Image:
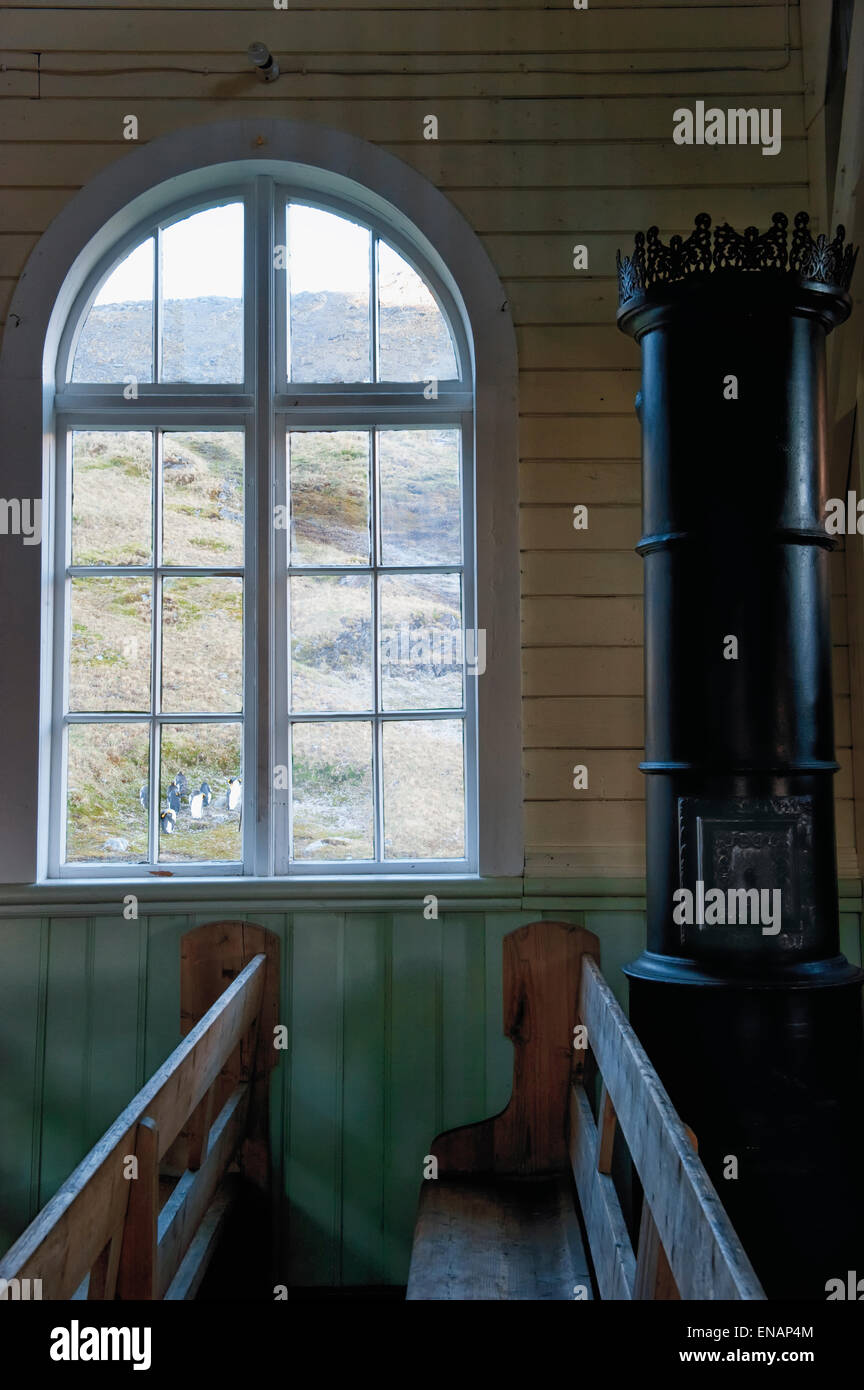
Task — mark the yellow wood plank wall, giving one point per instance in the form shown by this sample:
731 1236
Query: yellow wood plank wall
555 129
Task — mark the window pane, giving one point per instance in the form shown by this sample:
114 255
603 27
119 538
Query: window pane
202 489
332 791
424 789
202 645
328 475
108 767
421 510
112 508
331 643
201 800
109 666
328 274
202 297
421 641
414 342
116 341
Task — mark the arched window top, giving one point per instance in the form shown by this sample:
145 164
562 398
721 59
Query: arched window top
172 304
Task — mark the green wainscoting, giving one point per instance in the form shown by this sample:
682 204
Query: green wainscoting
394 1027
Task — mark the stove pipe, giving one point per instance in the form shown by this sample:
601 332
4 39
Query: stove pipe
742 999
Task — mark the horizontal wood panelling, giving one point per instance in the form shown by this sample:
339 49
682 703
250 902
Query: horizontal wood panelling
549 823
537 253
385 6
29 210
615 572
562 298
610 209
614 164
627 860
844 817
601 861
608 621
593 33
14 251
732 78
609 528
613 774
570 348
585 670
840 670
582 670
618 482
582 124
600 622
614 721
449 166
595 572
586 392
579 436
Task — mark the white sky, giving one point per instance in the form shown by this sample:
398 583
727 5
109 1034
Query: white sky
203 255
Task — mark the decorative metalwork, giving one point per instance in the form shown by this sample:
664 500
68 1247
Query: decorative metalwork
631 270
701 253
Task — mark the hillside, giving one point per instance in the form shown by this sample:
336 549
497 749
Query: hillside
202 341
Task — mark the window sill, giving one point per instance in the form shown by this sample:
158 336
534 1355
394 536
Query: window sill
215 895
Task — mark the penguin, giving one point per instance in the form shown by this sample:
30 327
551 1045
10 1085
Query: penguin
206 793
181 784
172 796
168 820
144 796
235 792
196 805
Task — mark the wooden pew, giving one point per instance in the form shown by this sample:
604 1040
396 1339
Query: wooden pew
107 1234
501 1220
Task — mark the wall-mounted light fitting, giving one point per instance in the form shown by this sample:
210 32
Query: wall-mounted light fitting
260 55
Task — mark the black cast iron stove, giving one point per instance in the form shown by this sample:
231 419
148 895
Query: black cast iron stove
754 1026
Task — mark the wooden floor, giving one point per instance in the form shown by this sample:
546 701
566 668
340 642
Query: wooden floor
516 1239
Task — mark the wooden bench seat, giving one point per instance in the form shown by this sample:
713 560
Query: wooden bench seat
511 1238
501 1219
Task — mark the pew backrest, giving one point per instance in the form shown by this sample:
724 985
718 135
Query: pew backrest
105 1221
687 1246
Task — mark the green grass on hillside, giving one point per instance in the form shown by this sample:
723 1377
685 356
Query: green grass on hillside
202 641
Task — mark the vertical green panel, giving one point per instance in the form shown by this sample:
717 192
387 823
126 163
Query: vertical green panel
499 1049
65 1096
463 1059
414 1102
315 1161
363 1100
275 922
117 965
280 1116
163 988
23 960
850 936
622 938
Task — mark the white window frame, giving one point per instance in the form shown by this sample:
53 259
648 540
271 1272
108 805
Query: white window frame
264 406
324 168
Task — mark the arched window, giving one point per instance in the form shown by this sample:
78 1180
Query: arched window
260 359
269 405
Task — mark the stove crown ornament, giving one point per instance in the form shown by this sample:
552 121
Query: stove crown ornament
703 253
